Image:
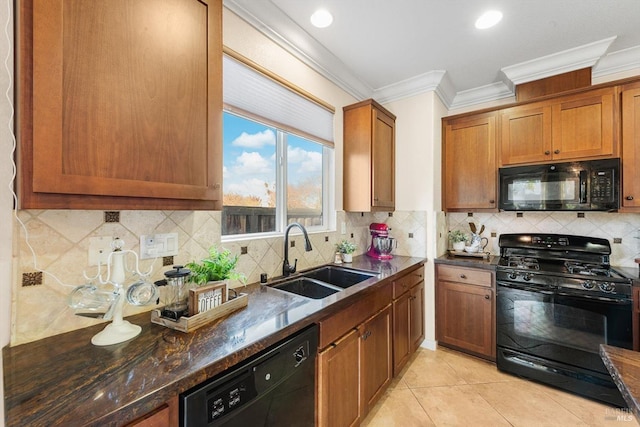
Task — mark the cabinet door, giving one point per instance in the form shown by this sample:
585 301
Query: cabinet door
464 317
383 159
376 357
630 148
339 382
401 325
416 327
102 126
470 173
583 126
526 134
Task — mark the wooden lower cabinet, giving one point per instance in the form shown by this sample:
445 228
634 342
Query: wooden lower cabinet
354 371
401 330
416 316
376 357
465 309
339 382
408 317
164 416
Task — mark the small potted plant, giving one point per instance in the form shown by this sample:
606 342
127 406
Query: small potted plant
458 240
219 265
346 248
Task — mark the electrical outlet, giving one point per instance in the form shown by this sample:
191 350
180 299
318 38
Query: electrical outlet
158 245
99 249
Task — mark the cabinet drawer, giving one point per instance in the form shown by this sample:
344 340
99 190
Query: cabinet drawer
408 281
470 276
335 326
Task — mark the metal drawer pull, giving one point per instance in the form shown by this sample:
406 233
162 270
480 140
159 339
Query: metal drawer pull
462 276
487 297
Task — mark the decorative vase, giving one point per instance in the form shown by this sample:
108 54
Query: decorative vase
347 258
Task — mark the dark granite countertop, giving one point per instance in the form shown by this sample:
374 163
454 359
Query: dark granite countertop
624 367
65 380
468 261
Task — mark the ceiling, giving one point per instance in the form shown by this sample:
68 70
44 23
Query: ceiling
392 50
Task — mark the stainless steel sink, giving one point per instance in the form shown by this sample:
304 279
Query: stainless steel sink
307 288
339 276
323 281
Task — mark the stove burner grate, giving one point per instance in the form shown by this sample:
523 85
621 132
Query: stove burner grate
587 269
523 262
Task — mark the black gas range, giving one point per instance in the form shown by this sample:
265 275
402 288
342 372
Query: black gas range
558 299
574 265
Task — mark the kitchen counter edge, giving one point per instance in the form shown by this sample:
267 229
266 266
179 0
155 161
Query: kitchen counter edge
624 367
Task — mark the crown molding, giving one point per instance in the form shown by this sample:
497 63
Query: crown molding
557 63
278 27
479 95
617 62
426 82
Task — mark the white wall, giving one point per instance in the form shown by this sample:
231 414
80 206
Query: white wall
6 171
418 179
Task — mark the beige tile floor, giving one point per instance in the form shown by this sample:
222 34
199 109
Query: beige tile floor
448 388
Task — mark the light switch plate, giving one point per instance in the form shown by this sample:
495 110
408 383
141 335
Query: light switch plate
158 245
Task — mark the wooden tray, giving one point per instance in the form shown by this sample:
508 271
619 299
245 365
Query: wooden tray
470 254
189 324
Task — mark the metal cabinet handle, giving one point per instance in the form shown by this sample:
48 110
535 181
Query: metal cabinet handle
492 201
556 152
462 276
366 335
487 297
629 197
547 152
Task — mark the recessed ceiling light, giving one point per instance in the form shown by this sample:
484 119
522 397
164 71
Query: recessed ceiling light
321 18
488 19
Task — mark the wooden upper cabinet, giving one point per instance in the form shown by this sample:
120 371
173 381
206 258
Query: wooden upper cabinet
120 104
469 163
573 127
369 158
630 147
582 125
526 134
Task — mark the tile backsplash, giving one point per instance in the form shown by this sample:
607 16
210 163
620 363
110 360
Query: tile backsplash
605 225
60 241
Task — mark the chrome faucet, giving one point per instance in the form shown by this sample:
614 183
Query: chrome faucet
288 269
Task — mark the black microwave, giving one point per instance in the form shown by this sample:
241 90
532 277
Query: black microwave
574 186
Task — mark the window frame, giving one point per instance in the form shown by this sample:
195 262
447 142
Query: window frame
281 166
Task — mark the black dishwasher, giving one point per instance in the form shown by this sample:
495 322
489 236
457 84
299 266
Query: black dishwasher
274 388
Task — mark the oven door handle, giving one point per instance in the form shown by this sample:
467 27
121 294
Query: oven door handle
524 288
620 301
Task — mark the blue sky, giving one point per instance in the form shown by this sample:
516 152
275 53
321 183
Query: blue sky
249 157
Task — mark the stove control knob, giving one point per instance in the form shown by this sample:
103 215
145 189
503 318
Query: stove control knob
526 276
588 284
606 287
513 275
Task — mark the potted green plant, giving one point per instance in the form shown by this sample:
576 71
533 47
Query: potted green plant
219 265
458 240
346 248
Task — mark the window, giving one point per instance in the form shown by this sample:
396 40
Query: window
254 201
277 153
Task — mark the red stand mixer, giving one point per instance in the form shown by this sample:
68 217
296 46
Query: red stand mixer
381 244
